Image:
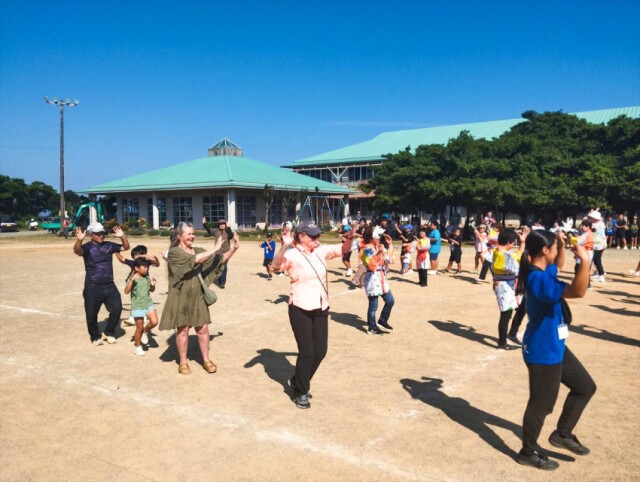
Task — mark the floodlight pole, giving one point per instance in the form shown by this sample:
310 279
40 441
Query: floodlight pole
61 104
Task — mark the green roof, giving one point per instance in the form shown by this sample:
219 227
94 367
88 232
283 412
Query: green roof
218 172
396 141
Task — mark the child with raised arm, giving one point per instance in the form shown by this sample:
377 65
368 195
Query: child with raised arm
269 248
140 286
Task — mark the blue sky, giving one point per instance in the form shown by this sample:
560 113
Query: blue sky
160 81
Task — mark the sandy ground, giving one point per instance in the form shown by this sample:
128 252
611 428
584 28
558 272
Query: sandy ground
433 400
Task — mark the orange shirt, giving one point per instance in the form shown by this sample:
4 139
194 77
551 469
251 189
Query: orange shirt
308 273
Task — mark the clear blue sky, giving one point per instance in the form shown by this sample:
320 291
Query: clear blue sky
160 81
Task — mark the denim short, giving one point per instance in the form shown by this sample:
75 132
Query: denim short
142 313
433 256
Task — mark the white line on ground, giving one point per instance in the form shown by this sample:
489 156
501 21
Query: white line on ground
201 415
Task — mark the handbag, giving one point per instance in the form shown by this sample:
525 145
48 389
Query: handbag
210 296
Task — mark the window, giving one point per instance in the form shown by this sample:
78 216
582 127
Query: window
214 208
275 213
162 210
246 211
182 210
131 210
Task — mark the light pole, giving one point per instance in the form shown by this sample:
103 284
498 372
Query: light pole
62 103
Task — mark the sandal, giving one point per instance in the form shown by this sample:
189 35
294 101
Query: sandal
210 366
184 369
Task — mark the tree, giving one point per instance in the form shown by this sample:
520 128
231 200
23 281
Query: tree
13 195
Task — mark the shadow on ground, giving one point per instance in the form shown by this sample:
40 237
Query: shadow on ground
460 411
464 331
276 365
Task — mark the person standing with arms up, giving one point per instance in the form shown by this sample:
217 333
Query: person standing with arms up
99 288
306 265
548 360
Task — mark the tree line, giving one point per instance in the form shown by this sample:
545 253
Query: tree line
19 199
550 163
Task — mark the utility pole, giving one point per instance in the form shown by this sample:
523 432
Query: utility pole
61 104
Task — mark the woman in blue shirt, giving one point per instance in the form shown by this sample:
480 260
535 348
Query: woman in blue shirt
548 360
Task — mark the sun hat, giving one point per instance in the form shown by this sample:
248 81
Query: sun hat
95 228
595 215
309 228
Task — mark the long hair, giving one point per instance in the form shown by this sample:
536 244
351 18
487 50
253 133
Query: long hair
175 237
536 240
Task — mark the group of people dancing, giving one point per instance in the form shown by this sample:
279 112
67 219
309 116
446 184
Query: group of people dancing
524 265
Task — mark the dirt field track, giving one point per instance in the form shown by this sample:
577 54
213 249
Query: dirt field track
433 400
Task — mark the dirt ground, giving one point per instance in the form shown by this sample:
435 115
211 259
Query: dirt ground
433 400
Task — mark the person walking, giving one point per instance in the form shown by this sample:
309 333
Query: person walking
549 361
306 265
190 270
99 287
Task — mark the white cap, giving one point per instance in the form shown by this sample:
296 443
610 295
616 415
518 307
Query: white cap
96 228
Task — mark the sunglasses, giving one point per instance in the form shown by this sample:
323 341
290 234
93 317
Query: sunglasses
316 237
101 233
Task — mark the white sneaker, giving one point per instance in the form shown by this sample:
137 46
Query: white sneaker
599 279
97 342
617 247
139 351
432 271
625 248
129 321
109 339
349 272
144 339
408 272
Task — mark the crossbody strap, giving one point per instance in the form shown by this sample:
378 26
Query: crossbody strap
324 284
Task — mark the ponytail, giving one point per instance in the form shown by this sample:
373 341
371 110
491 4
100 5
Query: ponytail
536 240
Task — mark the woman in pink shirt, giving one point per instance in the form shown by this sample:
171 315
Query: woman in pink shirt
309 299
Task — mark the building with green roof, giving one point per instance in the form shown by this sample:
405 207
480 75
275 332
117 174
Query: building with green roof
223 185
353 164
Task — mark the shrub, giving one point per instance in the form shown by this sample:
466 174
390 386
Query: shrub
153 232
135 232
166 232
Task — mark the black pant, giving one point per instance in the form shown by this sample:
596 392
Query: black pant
95 295
486 265
597 260
517 318
311 331
503 326
422 277
544 384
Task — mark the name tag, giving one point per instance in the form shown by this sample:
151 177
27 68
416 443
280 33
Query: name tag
563 331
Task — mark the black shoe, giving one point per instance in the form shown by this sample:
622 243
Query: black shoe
375 331
537 460
302 401
514 339
309 396
506 347
221 287
386 325
570 443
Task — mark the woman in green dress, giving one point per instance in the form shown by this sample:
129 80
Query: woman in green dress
185 306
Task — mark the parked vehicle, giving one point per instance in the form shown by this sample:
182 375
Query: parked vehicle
32 225
7 223
81 218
